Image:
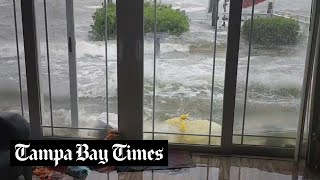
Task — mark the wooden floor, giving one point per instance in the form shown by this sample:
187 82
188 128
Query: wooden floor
222 168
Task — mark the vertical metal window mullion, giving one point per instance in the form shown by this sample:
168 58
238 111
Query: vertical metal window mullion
18 55
48 63
32 51
72 64
232 56
213 67
106 54
247 73
306 86
314 108
130 68
154 66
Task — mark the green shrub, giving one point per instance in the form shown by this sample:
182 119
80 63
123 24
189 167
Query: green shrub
272 31
98 27
172 21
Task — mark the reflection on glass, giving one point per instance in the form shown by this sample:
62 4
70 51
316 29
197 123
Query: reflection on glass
187 174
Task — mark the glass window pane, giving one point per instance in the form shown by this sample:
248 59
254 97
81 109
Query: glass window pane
11 52
184 53
91 67
91 59
279 35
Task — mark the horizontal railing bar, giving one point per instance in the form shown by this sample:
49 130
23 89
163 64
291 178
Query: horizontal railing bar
279 137
290 13
188 134
249 135
56 137
235 146
188 145
181 134
195 145
80 128
239 151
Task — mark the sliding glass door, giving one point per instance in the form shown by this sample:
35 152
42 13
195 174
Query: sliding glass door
196 73
272 56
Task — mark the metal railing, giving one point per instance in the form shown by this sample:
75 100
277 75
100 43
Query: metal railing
247 74
18 55
298 17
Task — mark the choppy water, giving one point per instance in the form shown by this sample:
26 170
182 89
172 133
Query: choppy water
184 73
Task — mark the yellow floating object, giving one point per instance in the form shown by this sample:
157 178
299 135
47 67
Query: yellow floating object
173 121
194 127
184 126
184 116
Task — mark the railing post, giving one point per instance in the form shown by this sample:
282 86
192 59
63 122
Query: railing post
72 64
18 57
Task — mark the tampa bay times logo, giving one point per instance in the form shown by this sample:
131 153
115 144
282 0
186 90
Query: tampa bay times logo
65 153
